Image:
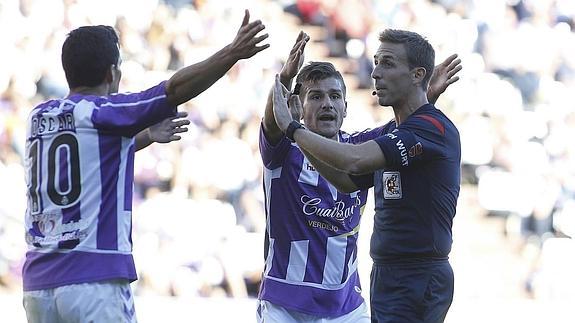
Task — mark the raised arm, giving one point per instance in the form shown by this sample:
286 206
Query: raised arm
192 80
337 178
351 159
348 158
287 74
443 76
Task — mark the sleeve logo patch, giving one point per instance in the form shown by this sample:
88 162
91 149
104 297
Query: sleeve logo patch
416 150
392 185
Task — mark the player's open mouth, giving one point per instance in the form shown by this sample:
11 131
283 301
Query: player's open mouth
326 117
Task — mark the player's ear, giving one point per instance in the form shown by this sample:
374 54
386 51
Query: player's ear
345 110
418 74
109 75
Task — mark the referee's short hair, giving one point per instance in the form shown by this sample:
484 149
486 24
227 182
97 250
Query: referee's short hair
419 51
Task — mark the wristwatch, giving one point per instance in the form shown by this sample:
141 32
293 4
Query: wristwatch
292 127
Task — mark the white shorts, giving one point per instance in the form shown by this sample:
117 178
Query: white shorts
107 301
270 313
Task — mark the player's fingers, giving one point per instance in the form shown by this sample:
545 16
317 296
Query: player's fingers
180 114
253 28
300 36
180 123
258 49
246 18
175 138
301 46
297 41
452 80
259 38
280 90
250 35
304 41
454 71
179 129
295 48
277 87
449 59
454 63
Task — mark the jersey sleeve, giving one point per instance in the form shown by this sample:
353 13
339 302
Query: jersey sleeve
362 182
129 113
420 139
273 155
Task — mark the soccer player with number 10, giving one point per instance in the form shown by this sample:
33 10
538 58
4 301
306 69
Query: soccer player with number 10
80 164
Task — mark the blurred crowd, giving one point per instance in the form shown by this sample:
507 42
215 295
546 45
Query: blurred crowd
198 214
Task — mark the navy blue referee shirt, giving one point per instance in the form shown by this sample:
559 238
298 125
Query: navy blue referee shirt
416 194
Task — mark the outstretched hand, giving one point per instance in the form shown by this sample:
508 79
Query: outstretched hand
443 76
245 45
282 113
166 130
296 57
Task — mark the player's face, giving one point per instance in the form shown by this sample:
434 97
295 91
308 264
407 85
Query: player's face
324 107
392 75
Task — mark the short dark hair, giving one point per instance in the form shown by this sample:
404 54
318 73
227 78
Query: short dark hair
419 51
87 54
317 71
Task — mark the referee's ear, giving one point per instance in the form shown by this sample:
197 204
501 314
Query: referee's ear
418 75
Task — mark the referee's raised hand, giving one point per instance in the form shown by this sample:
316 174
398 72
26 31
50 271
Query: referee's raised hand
246 43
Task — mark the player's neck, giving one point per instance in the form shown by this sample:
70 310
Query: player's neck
100 90
406 108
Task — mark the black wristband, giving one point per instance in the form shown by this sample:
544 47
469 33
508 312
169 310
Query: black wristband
292 127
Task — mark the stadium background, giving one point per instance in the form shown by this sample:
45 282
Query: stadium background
198 216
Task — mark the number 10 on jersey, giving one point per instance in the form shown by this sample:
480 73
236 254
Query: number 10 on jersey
59 162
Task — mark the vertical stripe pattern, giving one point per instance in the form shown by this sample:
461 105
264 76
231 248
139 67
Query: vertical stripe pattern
270 257
297 260
125 174
335 260
308 174
107 218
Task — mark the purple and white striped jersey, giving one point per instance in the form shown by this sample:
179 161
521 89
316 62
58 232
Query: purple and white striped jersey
312 230
80 160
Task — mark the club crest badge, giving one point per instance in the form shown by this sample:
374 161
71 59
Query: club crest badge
392 186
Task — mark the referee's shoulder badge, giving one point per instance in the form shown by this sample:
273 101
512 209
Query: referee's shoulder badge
392 185
416 150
